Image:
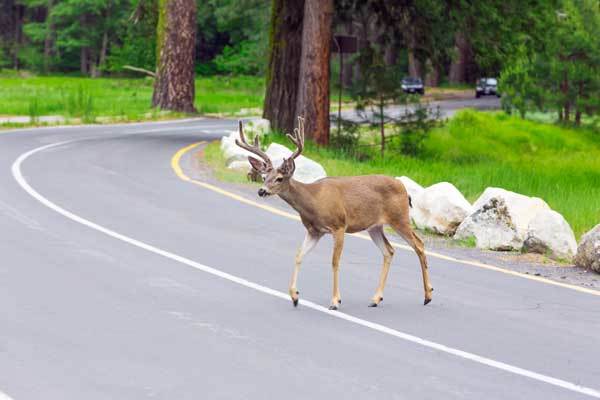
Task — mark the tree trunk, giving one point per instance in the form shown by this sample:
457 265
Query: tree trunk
414 65
382 126
174 86
102 56
348 70
391 55
458 67
313 94
283 71
578 109
432 76
83 60
564 87
18 35
48 40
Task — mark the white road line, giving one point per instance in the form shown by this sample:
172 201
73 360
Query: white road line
18 176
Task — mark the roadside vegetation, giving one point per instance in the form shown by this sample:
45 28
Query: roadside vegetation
122 98
475 150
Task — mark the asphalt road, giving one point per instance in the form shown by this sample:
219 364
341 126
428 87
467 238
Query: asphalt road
120 280
447 108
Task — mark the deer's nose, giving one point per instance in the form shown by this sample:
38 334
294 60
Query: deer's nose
262 192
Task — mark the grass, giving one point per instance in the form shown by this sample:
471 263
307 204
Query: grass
214 158
124 99
477 149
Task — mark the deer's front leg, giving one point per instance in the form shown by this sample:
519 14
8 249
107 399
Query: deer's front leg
338 245
310 241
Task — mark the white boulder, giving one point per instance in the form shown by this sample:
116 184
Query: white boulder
307 170
588 252
549 233
440 208
228 139
521 208
240 165
500 219
414 190
233 152
258 126
491 226
412 187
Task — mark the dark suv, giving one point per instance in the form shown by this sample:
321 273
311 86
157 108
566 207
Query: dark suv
413 85
487 86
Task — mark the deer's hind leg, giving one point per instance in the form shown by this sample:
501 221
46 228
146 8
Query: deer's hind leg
404 229
387 250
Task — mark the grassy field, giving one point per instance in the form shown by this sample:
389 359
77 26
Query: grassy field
126 99
476 150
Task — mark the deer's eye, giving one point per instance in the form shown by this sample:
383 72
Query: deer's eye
278 179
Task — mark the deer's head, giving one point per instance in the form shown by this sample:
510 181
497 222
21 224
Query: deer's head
276 180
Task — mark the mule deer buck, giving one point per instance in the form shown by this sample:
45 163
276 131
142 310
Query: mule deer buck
336 206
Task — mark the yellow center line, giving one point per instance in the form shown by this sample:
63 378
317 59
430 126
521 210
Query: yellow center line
176 165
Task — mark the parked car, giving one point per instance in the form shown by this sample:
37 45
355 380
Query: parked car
413 85
487 87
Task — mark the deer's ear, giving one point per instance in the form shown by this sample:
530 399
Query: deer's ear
288 167
257 164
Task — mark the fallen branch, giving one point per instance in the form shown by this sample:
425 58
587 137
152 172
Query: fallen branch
137 69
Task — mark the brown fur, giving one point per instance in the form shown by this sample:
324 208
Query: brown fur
341 205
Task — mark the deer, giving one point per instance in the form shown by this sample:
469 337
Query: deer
336 206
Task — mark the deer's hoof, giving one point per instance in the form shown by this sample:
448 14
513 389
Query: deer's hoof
333 308
295 302
427 301
373 304
296 299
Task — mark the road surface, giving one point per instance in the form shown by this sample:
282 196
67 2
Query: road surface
447 108
120 280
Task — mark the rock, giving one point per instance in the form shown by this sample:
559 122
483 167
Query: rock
440 208
233 152
240 165
491 226
307 170
228 139
549 233
500 219
259 126
588 252
414 190
520 207
412 187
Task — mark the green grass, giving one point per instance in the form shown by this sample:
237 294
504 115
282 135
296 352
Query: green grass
477 149
214 158
125 99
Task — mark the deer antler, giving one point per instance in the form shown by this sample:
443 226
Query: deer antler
255 149
298 138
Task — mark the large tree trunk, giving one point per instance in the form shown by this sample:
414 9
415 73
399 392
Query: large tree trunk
83 60
283 71
97 71
18 35
348 70
313 94
432 77
458 67
48 40
176 35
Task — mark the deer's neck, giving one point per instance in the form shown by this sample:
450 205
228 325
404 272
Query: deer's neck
299 197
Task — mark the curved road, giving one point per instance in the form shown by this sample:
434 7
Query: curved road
119 280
